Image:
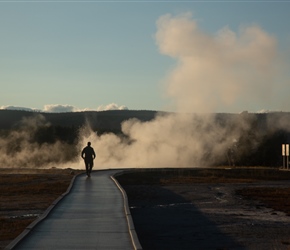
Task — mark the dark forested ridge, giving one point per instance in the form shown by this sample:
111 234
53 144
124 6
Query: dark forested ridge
98 120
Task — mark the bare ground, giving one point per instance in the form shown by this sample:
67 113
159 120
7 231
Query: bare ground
196 210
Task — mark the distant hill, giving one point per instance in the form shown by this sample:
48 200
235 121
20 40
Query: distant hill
103 120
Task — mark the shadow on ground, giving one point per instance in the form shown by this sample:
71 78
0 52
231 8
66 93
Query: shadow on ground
165 220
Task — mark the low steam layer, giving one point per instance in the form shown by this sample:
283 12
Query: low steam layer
27 146
177 140
168 141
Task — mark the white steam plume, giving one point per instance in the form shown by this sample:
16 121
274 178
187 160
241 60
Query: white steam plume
215 72
166 141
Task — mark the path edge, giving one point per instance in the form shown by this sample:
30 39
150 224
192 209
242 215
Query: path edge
132 231
30 227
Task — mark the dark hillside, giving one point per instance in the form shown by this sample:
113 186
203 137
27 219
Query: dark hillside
10 118
102 120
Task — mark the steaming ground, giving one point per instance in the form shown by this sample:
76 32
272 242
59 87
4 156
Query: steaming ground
19 148
181 140
169 140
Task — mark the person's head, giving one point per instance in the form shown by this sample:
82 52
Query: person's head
89 144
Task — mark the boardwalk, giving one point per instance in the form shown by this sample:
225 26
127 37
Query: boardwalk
91 216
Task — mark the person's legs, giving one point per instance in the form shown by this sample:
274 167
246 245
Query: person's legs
91 166
87 168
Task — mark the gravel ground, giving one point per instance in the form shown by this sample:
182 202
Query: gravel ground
206 216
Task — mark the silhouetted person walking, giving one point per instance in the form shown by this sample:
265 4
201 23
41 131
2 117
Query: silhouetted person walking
88 154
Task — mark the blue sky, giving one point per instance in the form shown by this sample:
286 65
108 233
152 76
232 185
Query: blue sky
91 53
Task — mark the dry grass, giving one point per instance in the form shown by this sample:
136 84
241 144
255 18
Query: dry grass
11 227
275 198
25 194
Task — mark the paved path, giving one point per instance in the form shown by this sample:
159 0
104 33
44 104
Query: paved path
91 216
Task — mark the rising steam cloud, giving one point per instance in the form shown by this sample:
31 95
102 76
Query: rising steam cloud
214 72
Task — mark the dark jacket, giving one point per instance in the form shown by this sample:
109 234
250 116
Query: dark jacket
88 153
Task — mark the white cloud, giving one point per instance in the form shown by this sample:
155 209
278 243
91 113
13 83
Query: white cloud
10 107
62 108
112 106
264 111
58 108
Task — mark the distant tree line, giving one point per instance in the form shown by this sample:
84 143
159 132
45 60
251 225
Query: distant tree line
51 134
266 152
